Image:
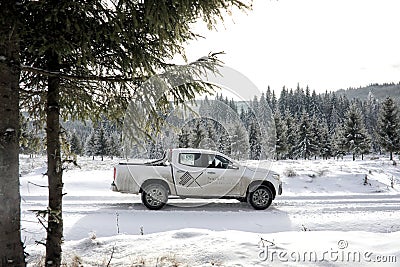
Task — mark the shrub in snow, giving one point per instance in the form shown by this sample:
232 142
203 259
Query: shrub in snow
76 262
92 235
366 180
322 172
290 172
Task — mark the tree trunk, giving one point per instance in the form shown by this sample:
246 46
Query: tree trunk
54 165
391 155
11 247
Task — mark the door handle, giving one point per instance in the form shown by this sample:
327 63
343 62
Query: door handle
211 172
180 171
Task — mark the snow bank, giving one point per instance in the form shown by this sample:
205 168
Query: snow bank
194 247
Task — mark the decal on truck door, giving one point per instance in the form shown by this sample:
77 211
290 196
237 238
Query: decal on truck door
187 179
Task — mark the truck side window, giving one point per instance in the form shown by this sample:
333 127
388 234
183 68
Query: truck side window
193 159
217 161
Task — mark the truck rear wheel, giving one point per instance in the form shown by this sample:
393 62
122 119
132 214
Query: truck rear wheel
260 198
154 196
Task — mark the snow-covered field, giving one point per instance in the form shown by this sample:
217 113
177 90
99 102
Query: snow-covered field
325 217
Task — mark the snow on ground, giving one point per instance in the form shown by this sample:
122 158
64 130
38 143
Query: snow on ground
326 211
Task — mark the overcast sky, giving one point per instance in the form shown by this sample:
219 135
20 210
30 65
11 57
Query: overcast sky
326 44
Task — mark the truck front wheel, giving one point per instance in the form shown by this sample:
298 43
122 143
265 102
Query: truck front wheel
154 196
260 198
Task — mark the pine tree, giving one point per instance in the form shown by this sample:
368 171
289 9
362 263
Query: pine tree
254 105
282 102
281 136
325 141
334 120
239 143
243 116
315 109
254 140
30 141
114 146
198 134
75 144
224 144
155 149
306 144
210 140
292 135
11 247
339 142
316 130
356 136
101 146
274 102
90 146
264 109
371 120
92 56
268 95
389 127
184 138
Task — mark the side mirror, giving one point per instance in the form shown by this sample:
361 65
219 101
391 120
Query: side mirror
233 166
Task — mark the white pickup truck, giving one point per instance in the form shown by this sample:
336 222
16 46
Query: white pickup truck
196 173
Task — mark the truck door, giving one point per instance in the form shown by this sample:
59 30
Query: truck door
190 174
206 175
224 177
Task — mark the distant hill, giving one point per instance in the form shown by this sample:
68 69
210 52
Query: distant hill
380 91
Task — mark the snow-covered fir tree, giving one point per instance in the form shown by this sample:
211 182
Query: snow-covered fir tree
254 140
101 146
184 138
30 139
155 149
90 145
334 120
325 141
339 142
75 144
198 134
114 146
292 134
239 143
224 144
371 114
281 140
306 146
356 136
211 139
389 127
316 130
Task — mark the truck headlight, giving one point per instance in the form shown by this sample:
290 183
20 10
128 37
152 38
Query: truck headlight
276 177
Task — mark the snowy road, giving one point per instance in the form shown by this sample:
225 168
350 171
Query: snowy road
328 198
109 215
